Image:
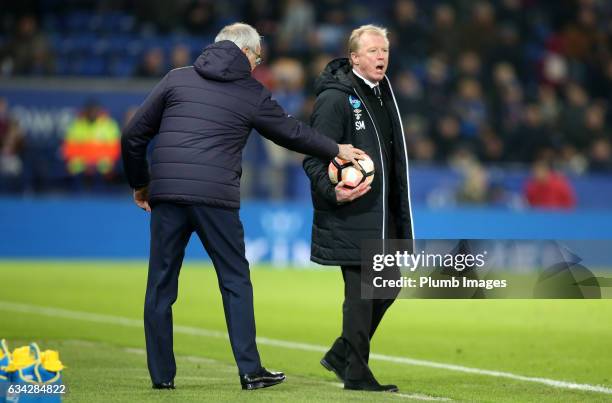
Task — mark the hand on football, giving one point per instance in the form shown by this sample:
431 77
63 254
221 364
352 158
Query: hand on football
344 195
141 198
349 153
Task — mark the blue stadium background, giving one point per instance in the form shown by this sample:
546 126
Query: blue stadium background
487 89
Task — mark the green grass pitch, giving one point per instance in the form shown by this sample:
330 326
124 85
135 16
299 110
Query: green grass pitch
92 310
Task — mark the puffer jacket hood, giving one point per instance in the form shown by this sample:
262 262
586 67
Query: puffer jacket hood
335 75
223 61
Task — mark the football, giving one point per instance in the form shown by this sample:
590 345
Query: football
351 176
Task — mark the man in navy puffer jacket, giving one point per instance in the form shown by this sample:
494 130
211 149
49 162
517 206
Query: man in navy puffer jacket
201 117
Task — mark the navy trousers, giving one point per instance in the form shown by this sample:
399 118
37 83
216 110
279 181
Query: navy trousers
221 233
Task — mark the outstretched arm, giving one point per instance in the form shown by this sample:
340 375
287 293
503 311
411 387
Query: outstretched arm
273 123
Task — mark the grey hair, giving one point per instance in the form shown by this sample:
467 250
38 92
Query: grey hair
243 35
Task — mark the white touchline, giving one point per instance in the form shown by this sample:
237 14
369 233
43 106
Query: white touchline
413 396
194 331
192 358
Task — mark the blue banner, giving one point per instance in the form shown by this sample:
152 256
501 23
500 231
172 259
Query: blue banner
45 115
276 233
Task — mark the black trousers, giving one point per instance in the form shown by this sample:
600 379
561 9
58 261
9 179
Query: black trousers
360 319
221 233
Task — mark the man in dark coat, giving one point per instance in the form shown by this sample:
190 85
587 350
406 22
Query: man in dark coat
355 104
201 117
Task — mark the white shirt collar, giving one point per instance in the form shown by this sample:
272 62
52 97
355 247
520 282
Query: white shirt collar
368 82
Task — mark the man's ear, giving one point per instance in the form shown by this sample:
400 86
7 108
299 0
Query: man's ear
354 59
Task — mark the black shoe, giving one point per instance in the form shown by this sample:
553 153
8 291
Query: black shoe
367 381
370 386
164 385
335 359
261 379
334 365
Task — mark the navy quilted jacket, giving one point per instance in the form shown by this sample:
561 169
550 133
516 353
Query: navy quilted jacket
201 117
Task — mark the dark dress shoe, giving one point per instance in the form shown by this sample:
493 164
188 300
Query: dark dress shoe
164 385
335 359
261 379
366 380
369 386
334 365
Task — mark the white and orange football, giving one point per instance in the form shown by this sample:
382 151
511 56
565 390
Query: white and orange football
351 176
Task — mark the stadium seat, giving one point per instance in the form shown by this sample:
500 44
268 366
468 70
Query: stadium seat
122 66
93 66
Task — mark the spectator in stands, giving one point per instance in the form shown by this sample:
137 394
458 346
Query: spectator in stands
288 89
161 15
265 13
553 54
479 33
409 94
573 117
27 52
511 110
424 149
200 17
550 105
594 124
601 156
180 56
11 146
316 66
531 140
602 82
445 34
469 66
288 84
549 189
446 133
582 38
554 70
570 160
91 145
470 107
508 49
475 186
296 27
490 146
437 84
512 12
332 29
503 76
410 37
153 64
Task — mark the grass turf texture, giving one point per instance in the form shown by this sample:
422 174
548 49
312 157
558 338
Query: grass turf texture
558 339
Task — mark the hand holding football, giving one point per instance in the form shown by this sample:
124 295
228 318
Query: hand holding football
341 170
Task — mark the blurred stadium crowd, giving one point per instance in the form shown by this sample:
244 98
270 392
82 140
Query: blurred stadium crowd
498 82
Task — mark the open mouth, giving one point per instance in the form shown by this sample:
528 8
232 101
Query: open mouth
380 68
